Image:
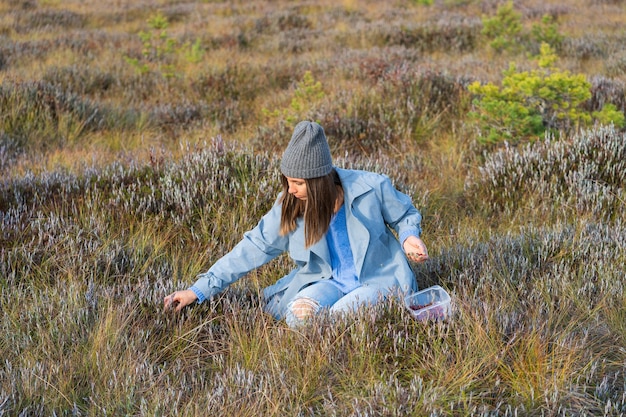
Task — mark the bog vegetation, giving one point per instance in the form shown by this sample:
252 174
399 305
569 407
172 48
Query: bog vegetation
139 140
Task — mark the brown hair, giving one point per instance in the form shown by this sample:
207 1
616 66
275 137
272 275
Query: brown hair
318 208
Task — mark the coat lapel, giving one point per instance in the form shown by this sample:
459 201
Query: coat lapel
358 234
320 248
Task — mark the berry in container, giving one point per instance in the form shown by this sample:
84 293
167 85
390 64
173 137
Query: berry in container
432 303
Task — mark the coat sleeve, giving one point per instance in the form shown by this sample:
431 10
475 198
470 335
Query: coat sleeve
257 247
399 212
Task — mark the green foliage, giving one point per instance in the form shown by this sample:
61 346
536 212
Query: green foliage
141 67
307 94
160 52
158 22
547 31
504 28
610 115
423 2
157 44
194 52
506 32
531 102
501 116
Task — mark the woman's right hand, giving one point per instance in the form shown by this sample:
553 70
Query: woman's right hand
179 299
415 249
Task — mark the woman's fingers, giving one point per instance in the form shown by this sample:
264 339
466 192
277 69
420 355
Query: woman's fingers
417 256
416 249
168 302
179 305
179 299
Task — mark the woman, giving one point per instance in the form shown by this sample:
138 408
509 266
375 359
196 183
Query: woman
336 226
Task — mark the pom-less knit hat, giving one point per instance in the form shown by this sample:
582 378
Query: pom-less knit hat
308 153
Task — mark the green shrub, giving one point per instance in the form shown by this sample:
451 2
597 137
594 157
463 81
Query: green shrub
157 48
531 102
610 115
547 31
506 32
307 94
504 28
160 51
194 52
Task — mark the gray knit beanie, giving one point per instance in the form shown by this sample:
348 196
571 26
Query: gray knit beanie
308 153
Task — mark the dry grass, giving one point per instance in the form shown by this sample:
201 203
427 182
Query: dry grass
122 181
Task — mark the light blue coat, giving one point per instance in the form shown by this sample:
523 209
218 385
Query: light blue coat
373 206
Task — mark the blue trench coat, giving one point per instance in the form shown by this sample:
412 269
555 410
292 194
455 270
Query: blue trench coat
373 206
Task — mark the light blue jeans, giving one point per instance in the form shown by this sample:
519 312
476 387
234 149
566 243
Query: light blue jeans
324 294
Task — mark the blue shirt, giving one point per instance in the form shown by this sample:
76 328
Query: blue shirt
341 260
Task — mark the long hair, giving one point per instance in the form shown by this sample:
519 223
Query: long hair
317 209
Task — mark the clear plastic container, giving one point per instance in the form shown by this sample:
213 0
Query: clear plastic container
433 303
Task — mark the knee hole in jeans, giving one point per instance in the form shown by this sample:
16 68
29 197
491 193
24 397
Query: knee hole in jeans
304 308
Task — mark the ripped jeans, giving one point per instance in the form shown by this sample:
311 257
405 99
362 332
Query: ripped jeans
323 294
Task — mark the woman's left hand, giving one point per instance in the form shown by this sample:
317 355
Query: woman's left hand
415 249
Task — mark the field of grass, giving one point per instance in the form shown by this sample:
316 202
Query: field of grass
139 140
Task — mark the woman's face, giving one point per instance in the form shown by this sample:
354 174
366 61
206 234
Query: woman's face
297 187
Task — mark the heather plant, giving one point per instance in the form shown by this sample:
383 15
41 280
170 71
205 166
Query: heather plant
586 47
81 80
605 91
616 65
515 317
39 115
404 108
111 197
47 19
233 82
448 32
560 178
288 20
